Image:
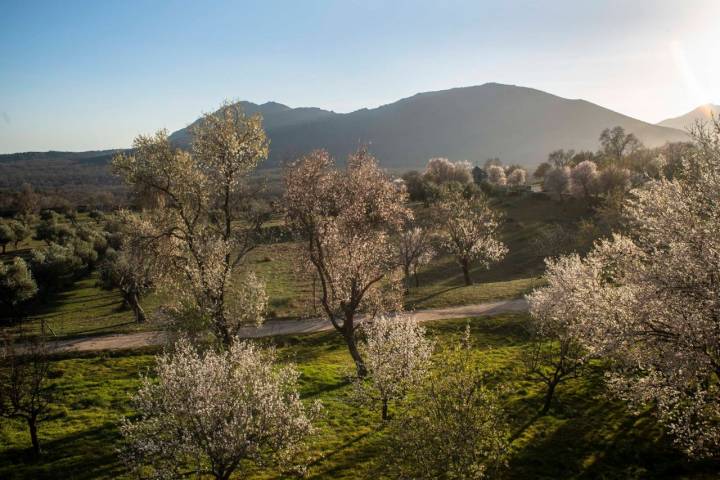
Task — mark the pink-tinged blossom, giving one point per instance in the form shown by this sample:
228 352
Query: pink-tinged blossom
344 220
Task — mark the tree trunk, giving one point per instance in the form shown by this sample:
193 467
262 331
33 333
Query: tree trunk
137 308
4 245
406 278
549 396
385 409
32 425
349 336
466 272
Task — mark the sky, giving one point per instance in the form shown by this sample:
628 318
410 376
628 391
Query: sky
84 75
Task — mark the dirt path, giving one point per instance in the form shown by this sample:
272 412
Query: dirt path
123 341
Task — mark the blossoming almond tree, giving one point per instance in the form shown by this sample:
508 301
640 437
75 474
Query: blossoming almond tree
517 178
454 425
470 229
442 170
583 179
650 300
554 353
397 355
414 249
496 175
344 220
199 216
207 414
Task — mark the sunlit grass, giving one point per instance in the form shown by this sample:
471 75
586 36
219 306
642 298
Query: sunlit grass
586 435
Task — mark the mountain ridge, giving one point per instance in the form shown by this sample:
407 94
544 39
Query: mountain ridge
518 124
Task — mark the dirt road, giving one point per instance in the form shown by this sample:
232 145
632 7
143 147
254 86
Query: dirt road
123 341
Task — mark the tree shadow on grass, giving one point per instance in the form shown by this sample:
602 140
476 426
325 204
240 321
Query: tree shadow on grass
588 435
420 300
86 454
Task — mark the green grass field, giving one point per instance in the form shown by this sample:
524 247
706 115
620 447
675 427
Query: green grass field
85 309
586 434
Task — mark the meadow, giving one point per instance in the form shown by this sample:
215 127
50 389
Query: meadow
587 434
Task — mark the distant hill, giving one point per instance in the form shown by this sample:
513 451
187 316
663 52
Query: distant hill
275 116
519 125
703 113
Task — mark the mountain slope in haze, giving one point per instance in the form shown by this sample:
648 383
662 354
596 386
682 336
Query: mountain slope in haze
519 125
703 113
275 115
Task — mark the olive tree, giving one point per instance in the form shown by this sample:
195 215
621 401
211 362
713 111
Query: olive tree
7 235
198 217
344 221
55 266
132 271
211 413
17 286
470 230
21 229
52 229
397 356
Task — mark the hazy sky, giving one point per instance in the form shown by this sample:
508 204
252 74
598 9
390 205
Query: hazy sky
78 75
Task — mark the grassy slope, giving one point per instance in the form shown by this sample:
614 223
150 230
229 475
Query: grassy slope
441 282
586 434
88 310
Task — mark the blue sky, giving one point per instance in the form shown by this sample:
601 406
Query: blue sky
78 75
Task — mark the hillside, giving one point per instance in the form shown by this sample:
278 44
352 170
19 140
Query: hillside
517 124
703 113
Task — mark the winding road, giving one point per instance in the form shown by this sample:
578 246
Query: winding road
126 341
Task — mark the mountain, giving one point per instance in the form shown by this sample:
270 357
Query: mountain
518 124
703 113
275 116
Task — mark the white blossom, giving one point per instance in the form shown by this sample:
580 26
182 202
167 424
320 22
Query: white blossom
496 175
650 300
470 229
397 354
208 412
